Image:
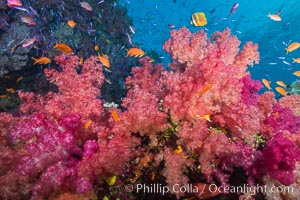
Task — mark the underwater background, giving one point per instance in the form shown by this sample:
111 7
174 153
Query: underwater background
132 99
152 20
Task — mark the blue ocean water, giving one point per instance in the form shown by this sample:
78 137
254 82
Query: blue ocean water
151 20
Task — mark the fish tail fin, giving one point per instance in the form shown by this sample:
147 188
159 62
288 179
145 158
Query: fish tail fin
294 60
35 60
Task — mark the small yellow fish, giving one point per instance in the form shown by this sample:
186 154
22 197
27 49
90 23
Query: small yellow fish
104 60
115 116
71 23
274 17
199 19
111 180
297 73
63 48
281 91
19 79
205 89
266 83
136 52
281 83
88 124
206 117
178 150
296 60
96 47
10 90
105 198
41 60
292 47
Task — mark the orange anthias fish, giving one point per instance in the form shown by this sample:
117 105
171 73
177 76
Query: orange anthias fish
63 48
19 79
281 91
275 114
136 52
205 89
104 60
96 47
274 17
41 60
292 47
266 83
88 124
296 60
28 20
12 3
86 6
80 60
281 83
10 90
297 73
115 116
198 19
71 23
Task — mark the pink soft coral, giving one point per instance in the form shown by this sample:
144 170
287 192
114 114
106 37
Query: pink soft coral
292 102
176 163
75 91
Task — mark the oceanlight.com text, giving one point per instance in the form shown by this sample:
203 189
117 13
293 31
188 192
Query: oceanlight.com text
249 189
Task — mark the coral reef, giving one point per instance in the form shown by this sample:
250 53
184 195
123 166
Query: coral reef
213 109
57 141
201 122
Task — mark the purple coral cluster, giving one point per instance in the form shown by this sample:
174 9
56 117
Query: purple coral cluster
278 159
49 153
249 91
283 119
